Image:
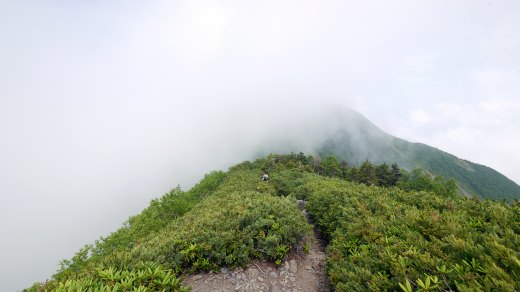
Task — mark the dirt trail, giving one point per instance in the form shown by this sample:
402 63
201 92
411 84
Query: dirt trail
300 272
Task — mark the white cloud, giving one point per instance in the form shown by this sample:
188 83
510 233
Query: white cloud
420 117
504 108
200 29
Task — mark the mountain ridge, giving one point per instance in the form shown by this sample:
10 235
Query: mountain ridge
379 238
356 139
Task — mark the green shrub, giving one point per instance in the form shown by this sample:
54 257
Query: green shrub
160 213
144 277
390 239
289 182
227 230
378 238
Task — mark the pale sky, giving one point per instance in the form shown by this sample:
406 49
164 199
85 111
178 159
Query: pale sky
105 105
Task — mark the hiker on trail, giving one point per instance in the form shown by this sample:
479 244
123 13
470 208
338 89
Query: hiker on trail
265 177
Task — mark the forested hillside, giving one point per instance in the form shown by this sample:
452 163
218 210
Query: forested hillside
355 139
386 229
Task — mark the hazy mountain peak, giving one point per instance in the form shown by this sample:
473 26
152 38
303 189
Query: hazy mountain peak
355 139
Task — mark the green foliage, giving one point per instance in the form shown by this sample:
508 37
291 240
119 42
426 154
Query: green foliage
227 229
290 183
292 161
227 219
395 174
360 140
160 213
477 179
390 239
416 236
248 165
383 175
419 180
367 174
331 166
144 277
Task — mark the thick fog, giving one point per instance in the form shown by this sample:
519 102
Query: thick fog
106 105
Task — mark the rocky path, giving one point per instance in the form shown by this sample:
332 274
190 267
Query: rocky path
301 272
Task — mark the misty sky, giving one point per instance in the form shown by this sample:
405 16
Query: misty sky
105 105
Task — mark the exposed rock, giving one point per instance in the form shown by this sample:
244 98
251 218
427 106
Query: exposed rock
260 279
286 265
197 277
293 267
273 275
275 288
252 273
308 267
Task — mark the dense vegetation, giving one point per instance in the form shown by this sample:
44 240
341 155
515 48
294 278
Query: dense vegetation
225 220
381 239
357 140
143 277
386 229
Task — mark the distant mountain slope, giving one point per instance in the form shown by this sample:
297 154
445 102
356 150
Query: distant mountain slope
356 139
